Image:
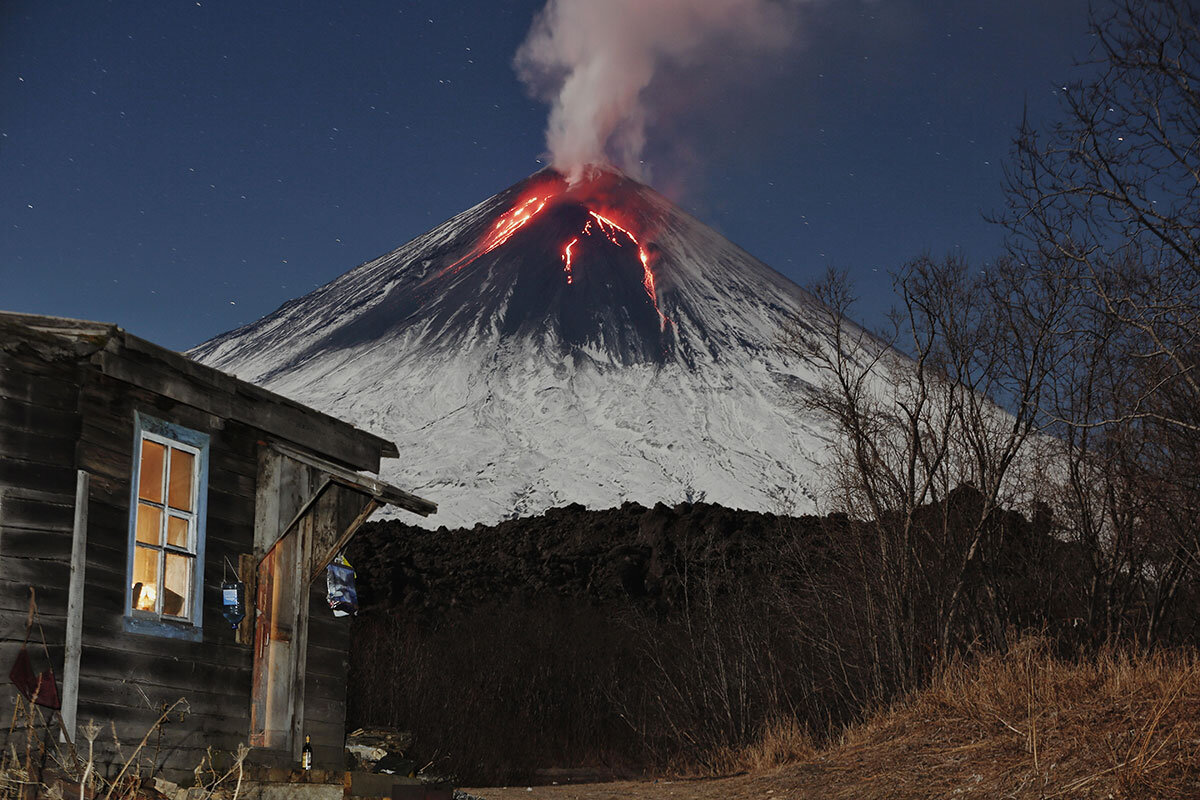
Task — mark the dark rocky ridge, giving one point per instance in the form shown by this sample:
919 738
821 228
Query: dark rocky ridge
629 554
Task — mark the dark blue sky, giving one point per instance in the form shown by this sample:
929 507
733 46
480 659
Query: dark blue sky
183 167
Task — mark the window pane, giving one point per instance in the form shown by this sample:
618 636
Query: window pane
177 532
150 485
177 582
180 492
149 524
145 578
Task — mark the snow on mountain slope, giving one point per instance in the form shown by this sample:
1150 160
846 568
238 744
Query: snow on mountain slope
557 344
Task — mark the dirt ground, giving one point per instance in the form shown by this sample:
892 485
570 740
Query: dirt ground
741 787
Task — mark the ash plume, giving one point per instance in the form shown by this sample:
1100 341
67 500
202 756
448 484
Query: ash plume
594 61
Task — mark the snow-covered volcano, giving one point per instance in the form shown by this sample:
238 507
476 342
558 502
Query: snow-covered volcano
558 344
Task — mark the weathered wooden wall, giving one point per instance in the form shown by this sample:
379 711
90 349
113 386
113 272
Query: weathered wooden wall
59 417
39 428
325 680
127 679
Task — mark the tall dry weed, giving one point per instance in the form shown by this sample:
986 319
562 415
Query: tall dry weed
780 742
37 762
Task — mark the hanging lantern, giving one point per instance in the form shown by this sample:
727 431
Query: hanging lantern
233 602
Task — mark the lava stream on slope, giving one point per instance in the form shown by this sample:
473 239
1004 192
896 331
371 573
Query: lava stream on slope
512 221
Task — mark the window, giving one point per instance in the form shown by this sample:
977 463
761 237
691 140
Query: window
166 530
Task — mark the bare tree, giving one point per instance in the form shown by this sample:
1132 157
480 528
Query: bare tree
1106 205
1067 371
915 428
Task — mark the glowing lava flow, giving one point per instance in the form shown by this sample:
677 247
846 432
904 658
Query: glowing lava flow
566 256
505 227
520 215
610 229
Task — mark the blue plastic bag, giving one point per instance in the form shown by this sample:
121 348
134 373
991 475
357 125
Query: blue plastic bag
339 580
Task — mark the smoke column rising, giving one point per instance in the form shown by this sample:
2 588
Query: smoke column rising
592 60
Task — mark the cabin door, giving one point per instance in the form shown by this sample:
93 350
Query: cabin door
279 642
317 512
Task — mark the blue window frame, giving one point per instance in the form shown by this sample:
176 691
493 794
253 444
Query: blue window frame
168 503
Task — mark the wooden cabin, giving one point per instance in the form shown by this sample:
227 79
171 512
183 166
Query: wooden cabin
134 483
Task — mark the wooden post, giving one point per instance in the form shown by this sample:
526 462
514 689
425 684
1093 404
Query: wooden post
74 642
266 500
247 565
300 642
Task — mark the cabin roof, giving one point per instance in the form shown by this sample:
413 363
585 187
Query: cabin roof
121 355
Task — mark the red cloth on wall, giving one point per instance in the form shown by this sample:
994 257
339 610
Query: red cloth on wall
41 689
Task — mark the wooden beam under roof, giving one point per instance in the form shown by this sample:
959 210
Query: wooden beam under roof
383 492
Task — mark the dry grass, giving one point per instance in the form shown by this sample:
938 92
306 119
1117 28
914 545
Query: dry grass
1028 725
34 764
783 741
1025 726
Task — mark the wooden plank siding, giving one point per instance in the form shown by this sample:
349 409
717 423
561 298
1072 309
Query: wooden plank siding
125 679
69 391
327 663
39 425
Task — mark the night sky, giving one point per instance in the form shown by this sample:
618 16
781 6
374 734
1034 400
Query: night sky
182 168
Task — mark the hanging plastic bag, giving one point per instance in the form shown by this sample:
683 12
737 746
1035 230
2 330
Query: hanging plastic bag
339 580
